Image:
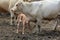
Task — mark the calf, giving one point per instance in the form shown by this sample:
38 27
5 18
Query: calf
22 18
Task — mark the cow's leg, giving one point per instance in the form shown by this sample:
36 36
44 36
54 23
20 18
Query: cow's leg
23 27
15 20
36 29
39 25
12 15
28 25
57 20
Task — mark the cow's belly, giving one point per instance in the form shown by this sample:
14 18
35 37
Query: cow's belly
50 11
51 16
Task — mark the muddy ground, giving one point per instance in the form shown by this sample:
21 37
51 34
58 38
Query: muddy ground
8 32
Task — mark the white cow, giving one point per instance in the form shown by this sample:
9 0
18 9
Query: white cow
39 9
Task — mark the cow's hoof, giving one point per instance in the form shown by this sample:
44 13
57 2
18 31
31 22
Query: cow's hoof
16 32
11 23
22 33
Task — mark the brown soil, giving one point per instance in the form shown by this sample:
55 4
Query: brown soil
8 32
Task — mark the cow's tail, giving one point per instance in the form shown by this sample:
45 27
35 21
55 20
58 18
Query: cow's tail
59 5
59 8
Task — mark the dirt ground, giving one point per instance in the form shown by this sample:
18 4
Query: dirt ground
8 32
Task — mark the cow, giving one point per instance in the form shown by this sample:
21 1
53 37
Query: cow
39 9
